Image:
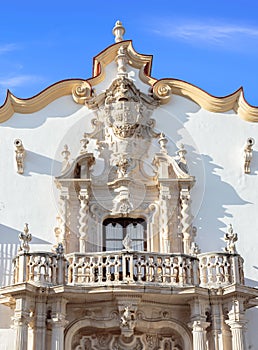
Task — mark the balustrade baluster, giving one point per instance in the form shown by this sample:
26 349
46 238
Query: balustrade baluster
117 267
180 270
188 271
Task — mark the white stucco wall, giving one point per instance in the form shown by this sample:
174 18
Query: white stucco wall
223 193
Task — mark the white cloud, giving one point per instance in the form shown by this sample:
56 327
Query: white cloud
18 80
7 48
221 34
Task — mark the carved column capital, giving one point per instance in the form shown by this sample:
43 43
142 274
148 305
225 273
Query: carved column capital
198 325
199 334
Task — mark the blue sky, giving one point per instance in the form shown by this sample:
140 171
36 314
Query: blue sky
211 44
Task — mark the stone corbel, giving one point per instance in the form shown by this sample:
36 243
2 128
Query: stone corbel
248 154
20 155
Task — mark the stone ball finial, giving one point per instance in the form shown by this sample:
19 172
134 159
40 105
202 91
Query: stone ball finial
118 31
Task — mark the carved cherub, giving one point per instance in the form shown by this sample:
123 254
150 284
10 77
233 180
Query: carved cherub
126 317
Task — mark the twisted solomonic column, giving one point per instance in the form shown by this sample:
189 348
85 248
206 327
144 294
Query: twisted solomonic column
186 219
83 220
64 216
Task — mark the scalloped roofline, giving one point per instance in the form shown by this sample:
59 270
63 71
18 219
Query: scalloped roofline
235 101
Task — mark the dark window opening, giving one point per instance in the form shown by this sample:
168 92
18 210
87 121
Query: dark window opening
115 230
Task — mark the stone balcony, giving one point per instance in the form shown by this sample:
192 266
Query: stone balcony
208 270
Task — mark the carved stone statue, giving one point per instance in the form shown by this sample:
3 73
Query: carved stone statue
25 237
127 322
230 238
127 242
248 154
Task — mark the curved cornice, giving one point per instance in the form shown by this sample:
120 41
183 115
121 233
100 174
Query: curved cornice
235 101
81 89
14 104
136 60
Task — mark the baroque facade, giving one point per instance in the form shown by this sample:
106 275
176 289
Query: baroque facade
125 271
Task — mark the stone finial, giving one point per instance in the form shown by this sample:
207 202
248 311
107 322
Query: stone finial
84 144
20 155
248 154
118 31
163 143
66 155
25 237
181 152
194 250
230 238
60 249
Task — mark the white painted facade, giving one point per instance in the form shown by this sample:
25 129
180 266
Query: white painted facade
223 193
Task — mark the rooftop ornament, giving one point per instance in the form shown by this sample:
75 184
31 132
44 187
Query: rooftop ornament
25 237
84 144
181 152
248 154
230 238
20 155
66 155
118 31
163 143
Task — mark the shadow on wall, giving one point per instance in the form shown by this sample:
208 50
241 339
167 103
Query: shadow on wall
254 164
39 164
218 195
63 107
210 195
9 245
251 283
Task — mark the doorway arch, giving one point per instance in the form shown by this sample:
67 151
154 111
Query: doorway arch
109 331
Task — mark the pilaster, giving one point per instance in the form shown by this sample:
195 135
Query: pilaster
58 322
198 323
20 324
237 323
39 321
199 335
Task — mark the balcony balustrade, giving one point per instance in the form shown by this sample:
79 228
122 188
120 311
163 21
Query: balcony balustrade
209 270
220 269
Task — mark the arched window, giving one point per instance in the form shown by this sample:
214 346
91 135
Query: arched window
115 230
